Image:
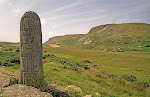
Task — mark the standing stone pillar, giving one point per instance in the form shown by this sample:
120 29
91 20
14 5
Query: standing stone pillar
31 49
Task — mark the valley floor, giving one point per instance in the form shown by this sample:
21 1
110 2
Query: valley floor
110 74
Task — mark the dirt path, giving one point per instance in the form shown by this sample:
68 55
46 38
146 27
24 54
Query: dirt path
54 45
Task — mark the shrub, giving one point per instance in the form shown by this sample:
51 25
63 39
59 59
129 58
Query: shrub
143 83
67 63
41 84
147 46
130 78
7 64
17 50
9 58
86 61
111 75
86 67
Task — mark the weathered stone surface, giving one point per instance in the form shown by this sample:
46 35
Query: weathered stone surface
30 48
19 90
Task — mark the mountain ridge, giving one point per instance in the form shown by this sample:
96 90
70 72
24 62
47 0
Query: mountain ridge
126 34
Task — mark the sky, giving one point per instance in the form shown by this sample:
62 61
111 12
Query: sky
61 17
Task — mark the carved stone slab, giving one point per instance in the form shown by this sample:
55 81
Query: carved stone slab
30 48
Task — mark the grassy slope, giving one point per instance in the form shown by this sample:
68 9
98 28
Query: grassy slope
59 39
118 63
127 36
95 80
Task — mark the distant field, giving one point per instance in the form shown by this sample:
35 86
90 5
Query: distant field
131 62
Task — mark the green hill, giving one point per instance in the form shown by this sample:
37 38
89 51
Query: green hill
110 37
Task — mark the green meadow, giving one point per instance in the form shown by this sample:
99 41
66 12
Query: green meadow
116 74
112 74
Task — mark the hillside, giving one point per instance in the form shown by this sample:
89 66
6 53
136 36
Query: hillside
109 37
59 39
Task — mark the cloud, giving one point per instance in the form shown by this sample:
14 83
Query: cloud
17 10
43 21
3 1
52 34
79 2
59 17
46 36
79 20
65 7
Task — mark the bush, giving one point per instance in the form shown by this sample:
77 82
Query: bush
7 64
41 84
67 63
17 50
86 61
86 67
130 78
147 46
9 58
112 75
143 83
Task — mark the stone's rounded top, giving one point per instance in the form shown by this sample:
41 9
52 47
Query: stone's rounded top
30 13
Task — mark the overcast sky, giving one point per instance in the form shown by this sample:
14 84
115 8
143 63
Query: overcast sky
60 17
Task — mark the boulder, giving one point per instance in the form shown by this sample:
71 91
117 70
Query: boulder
74 91
57 91
19 90
75 88
9 82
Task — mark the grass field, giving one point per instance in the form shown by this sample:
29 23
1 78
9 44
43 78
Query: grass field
112 74
132 63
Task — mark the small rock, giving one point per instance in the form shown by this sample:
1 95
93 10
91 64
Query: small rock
88 96
58 90
98 94
12 81
74 91
75 88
